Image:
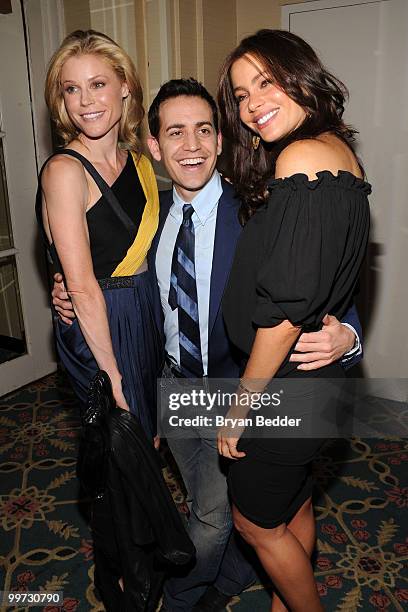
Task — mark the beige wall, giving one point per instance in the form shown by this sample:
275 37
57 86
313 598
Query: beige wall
219 36
253 15
188 40
77 15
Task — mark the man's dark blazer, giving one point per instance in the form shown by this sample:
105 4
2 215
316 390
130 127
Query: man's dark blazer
223 359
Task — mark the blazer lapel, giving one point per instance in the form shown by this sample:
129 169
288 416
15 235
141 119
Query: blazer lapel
227 231
166 200
165 203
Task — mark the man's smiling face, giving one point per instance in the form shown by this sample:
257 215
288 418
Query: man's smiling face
188 143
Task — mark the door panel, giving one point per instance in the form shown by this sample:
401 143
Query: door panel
25 316
365 44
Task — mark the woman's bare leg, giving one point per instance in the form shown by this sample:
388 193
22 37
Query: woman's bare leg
286 562
302 526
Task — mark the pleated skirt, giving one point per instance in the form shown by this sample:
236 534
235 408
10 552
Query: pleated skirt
137 343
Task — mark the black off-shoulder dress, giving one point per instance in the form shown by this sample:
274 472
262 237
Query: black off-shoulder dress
297 259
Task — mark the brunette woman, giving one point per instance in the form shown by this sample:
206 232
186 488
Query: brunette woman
306 220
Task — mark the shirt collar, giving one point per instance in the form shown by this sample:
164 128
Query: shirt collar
203 203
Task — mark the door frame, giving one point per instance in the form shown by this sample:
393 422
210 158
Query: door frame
317 5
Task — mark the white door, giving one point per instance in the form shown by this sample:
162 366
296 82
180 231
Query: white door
26 342
365 44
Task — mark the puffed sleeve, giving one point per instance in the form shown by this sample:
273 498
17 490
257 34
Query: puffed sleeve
315 238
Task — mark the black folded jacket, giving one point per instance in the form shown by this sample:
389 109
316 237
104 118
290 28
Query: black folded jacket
135 522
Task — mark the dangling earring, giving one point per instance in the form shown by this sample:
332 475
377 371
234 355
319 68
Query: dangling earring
255 142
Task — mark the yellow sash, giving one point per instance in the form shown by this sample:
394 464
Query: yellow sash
150 220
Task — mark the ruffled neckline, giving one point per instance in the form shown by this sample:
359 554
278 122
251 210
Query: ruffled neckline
344 179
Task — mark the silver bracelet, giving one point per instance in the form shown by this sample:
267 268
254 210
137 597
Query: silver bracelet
244 388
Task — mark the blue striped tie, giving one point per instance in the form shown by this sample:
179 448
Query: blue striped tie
183 296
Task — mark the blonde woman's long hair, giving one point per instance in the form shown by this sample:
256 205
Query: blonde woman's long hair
90 42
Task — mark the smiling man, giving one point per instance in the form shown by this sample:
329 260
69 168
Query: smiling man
183 124
188 141
184 134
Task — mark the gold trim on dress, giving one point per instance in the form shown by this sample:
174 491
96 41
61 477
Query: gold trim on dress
150 219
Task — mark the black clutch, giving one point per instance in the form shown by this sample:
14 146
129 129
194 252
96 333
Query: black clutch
94 444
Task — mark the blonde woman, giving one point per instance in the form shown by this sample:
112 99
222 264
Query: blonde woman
100 227
98 207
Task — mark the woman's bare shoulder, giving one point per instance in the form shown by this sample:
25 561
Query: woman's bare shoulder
314 155
63 170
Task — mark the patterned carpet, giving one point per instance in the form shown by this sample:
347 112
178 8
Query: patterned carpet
361 507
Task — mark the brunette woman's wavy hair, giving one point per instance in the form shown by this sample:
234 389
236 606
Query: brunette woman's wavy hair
294 67
90 42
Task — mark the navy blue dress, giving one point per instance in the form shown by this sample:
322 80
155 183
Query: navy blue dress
130 300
